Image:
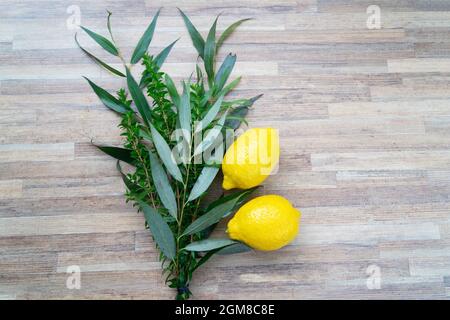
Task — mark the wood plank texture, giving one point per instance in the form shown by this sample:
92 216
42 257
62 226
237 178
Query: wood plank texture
364 119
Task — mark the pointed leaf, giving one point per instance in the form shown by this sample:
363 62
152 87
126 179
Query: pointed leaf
228 31
145 40
211 136
172 91
161 57
102 41
224 72
117 153
197 39
234 248
207 175
230 86
184 113
241 197
210 115
212 216
139 99
210 52
209 244
130 185
165 154
203 182
205 258
98 61
241 112
162 185
108 24
108 99
160 230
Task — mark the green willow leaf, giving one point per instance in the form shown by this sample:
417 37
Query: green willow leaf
161 57
102 41
228 31
139 99
210 115
210 52
203 182
234 248
184 113
172 91
162 185
98 61
224 72
209 244
197 39
241 196
230 86
108 24
130 185
205 258
208 174
211 136
160 230
108 99
118 153
165 154
145 40
240 112
212 216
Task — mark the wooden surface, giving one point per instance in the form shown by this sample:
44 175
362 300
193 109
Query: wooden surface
364 118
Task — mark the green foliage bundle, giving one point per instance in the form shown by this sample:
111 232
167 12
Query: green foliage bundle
157 119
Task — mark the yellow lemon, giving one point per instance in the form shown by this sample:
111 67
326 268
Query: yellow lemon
265 223
251 158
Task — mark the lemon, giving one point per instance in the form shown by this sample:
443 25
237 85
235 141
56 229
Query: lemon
265 223
251 158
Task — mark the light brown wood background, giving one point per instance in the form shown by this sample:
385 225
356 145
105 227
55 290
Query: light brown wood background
364 118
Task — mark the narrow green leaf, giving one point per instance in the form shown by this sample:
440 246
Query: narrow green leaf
197 39
204 259
98 61
161 57
145 40
172 91
212 216
234 248
108 24
224 72
209 244
130 185
208 174
139 99
184 113
241 197
210 52
240 112
210 115
230 249
228 31
117 153
108 99
203 182
102 41
230 86
162 185
160 230
165 154
211 136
